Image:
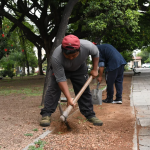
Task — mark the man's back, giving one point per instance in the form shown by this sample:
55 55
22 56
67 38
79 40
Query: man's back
110 56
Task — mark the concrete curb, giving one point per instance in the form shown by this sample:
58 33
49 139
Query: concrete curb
42 136
135 147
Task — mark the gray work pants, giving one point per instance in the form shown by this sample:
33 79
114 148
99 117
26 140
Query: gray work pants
78 79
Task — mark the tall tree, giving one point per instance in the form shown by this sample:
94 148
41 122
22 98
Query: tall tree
100 17
59 37
45 15
145 54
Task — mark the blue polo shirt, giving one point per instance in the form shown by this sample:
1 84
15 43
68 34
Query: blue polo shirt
110 57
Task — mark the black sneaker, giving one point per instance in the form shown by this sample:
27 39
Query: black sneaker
107 100
117 101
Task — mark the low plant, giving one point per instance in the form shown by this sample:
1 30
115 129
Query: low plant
71 90
41 106
35 129
28 134
60 132
8 73
26 91
39 145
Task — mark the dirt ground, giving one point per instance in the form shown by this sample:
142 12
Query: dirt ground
20 101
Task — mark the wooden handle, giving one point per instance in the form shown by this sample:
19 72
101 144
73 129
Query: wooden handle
69 108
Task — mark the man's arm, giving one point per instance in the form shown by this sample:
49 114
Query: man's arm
94 71
64 88
101 70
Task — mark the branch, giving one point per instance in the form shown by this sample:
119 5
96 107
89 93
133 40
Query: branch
43 59
15 26
27 32
36 4
26 11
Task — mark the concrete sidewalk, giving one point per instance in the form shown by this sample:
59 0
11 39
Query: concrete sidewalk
140 100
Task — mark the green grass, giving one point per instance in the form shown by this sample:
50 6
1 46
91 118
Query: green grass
63 103
32 91
100 88
103 88
71 90
28 134
41 106
81 120
40 145
59 132
35 129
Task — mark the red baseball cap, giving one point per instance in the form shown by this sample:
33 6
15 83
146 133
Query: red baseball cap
94 43
71 41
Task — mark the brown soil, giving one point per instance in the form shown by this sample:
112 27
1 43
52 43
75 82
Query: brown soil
20 115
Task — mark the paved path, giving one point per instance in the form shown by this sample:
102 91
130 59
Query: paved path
140 100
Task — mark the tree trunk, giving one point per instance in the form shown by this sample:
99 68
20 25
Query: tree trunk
27 63
40 61
1 22
23 69
17 71
33 70
60 34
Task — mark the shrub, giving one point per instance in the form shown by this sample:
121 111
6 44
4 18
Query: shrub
10 74
4 73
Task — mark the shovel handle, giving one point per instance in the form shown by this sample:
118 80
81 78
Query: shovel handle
98 84
65 114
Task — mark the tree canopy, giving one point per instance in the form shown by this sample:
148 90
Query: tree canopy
116 22
89 19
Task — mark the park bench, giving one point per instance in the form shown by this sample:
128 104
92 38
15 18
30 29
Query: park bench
135 72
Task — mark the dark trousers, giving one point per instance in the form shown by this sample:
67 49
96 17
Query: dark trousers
115 77
78 79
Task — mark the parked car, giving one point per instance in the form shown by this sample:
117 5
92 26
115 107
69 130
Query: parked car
146 65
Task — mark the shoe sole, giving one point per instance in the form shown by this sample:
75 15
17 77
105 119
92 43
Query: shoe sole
116 102
45 125
98 124
106 102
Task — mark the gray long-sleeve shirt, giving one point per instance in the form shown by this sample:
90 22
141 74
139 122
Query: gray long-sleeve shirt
61 63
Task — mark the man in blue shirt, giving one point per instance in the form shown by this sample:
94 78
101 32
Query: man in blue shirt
114 63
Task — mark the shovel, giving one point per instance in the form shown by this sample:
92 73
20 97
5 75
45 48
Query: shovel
65 113
97 95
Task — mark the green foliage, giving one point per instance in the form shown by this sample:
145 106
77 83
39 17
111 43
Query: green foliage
6 63
127 55
28 134
145 54
39 145
115 22
26 91
15 55
35 129
6 41
3 73
122 39
8 73
101 15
